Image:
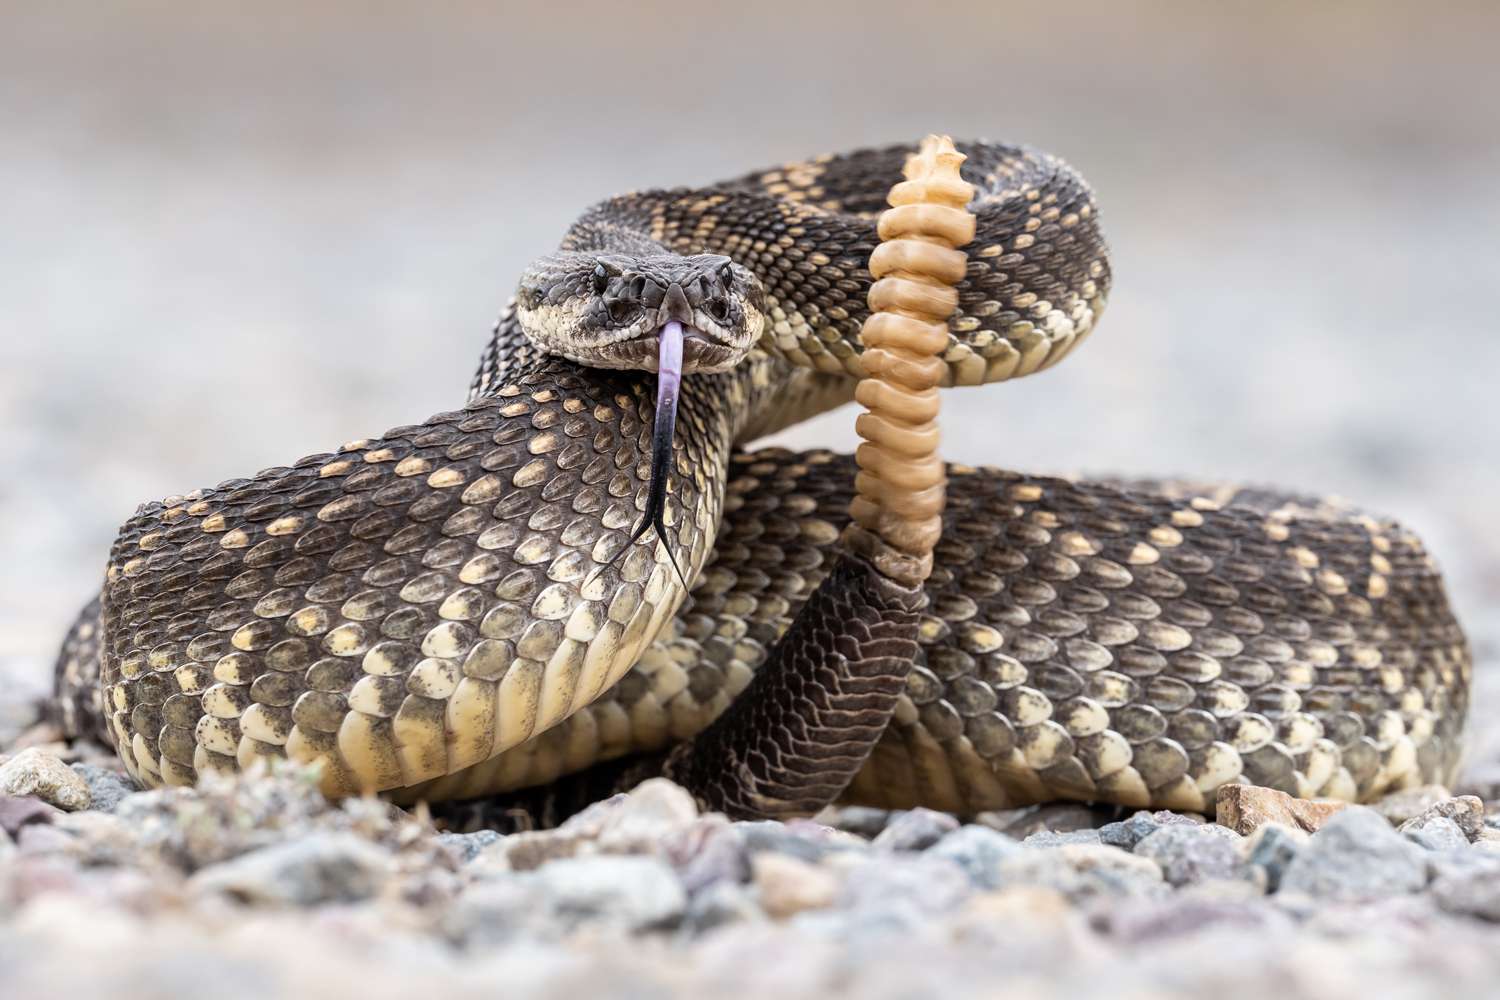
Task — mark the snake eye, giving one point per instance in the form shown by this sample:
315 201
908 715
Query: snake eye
726 275
601 279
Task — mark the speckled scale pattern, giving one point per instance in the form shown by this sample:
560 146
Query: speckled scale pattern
78 707
427 611
408 605
1037 279
1083 640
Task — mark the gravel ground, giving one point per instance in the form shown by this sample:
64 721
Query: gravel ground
260 888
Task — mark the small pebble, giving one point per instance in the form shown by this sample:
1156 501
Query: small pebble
979 851
709 851
632 893
316 868
1190 854
107 786
1246 808
719 905
1356 856
1271 849
1167 919
915 830
926 885
35 772
788 885
1435 833
1398 807
799 838
1050 838
17 811
1464 811
1053 817
1472 894
468 846
495 912
1083 872
862 821
1127 833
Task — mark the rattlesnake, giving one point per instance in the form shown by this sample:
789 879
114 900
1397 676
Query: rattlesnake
497 597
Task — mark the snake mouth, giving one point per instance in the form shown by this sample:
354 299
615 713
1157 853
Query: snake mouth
700 352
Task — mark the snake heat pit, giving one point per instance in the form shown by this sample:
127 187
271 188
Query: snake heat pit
583 577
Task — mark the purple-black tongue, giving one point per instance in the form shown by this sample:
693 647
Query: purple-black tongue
668 384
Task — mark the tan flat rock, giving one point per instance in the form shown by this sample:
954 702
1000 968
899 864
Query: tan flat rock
1247 808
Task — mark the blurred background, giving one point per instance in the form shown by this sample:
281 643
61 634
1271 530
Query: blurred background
235 237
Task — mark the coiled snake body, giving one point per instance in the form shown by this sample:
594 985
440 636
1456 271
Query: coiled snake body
496 598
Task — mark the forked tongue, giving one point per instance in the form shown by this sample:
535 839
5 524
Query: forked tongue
668 385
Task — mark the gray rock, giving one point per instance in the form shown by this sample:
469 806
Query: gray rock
1462 862
17 811
615 892
1470 894
863 821
1465 811
1435 833
496 912
37 839
1084 872
635 822
1147 922
720 905
316 868
106 785
979 851
468 846
1398 807
652 809
1355 857
923 885
1272 849
632 893
1050 838
1193 853
801 839
1051 817
35 772
915 830
708 851
1128 833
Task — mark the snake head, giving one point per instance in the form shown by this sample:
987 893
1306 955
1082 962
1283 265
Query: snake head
607 310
